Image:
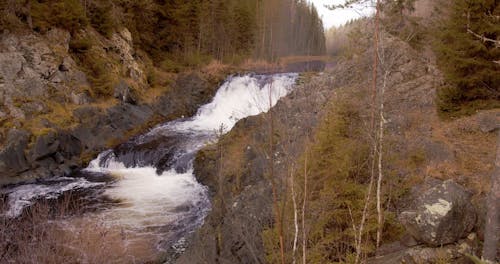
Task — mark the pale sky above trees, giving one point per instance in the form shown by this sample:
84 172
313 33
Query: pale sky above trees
337 17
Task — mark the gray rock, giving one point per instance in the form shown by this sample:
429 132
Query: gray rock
452 253
85 113
65 170
58 157
45 145
488 122
123 92
80 79
69 145
12 157
80 98
66 64
441 215
11 64
59 37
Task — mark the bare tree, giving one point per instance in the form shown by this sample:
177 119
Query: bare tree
295 215
372 127
304 233
380 212
272 177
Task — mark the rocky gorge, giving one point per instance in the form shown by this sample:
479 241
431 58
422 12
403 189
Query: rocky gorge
188 189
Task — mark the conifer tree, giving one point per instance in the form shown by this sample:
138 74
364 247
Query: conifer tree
468 50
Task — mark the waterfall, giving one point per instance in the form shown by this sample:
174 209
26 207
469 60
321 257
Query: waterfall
154 181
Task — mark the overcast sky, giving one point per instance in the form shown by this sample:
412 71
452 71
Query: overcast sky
337 17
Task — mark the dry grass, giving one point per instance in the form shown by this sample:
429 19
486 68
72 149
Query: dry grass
259 65
44 234
474 153
215 67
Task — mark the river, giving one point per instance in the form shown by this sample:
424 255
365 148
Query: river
157 200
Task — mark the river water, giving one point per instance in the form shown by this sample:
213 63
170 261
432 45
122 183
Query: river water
157 199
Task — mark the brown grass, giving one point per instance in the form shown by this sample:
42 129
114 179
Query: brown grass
51 232
474 153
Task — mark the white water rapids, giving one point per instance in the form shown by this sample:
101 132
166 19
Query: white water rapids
172 198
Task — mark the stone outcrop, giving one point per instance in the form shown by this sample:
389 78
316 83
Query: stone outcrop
33 68
441 215
39 70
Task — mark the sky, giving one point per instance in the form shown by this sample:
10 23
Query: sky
337 17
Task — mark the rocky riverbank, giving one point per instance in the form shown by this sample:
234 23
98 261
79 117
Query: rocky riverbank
440 220
52 120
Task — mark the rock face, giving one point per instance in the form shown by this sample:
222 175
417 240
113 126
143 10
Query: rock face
40 79
441 215
12 158
33 68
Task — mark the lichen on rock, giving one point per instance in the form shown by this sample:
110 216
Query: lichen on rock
441 215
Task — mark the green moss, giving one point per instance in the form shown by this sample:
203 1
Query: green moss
99 67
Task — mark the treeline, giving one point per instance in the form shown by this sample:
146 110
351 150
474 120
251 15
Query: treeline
187 31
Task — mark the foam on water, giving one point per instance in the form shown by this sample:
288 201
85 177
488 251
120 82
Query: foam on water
148 200
23 195
238 98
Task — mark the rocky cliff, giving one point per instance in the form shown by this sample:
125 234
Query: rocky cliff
56 114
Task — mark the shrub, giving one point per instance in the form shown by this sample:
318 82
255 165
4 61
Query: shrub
80 45
66 14
101 17
170 65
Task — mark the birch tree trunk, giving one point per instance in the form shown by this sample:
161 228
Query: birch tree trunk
304 235
295 218
380 212
372 127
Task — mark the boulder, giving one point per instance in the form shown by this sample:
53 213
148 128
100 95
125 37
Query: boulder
441 215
